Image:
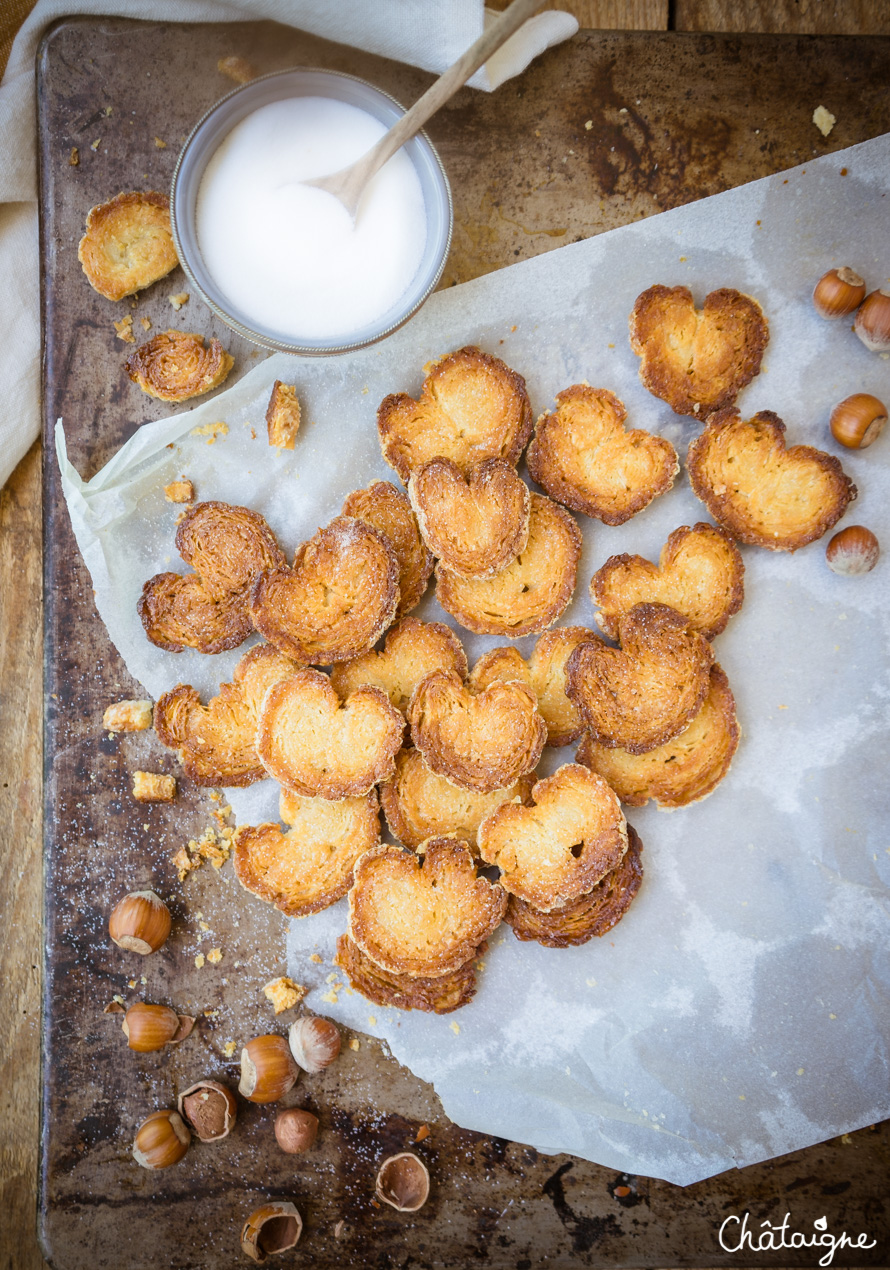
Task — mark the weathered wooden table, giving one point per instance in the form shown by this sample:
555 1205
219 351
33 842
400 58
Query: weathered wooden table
671 118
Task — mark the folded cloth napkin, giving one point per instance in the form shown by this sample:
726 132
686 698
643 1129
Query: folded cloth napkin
424 33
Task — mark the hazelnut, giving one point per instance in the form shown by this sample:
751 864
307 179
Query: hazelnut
161 1140
273 1228
852 551
314 1042
140 923
872 323
857 421
209 1109
151 1027
267 1069
838 293
404 1182
295 1130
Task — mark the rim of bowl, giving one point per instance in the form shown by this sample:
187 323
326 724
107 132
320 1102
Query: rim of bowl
293 346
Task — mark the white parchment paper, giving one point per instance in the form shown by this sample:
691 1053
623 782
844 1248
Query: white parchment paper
741 1008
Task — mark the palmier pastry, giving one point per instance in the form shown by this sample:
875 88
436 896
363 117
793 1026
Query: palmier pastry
418 804
683 770
762 492
283 415
532 592
383 508
425 914
472 407
475 524
310 866
639 696
336 601
573 833
480 741
436 996
413 650
175 365
545 674
128 244
216 742
593 914
584 458
699 573
697 361
228 548
320 747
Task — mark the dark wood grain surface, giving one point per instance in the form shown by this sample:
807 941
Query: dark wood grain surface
672 118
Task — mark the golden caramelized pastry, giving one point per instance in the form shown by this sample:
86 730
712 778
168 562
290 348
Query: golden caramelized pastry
531 593
480 741
697 361
418 804
127 716
153 787
558 848
422 915
683 770
217 742
639 696
283 415
228 548
320 747
336 601
762 492
175 365
545 674
583 457
475 524
383 508
472 407
179 492
699 573
128 244
593 914
310 866
436 996
413 650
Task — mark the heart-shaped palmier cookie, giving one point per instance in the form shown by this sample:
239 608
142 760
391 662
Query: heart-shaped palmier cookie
583 457
760 491
228 548
474 524
480 741
217 742
413 650
697 361
422 914
309 867
472 407
641 695
336 601
321 747
438 995
558 848
700 573
385 509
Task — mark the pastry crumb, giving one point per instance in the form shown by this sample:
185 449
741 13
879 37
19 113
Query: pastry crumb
94 145
153 787
455 1027
824 120
283 415
159 144
215 956
127 716
179 492
284 993
74 157
422 1132
355 1044
315 957
229 1048
199 961
145 323
179 299
124 329
211 431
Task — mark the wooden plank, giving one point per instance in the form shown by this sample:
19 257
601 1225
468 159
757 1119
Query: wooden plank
786 17
609 15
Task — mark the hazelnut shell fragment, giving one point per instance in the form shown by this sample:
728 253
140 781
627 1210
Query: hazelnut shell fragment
853 551
151 1027
858 420
140 922
267 1069
838 293
295 1130
314 1042
273 1228
209 1109
161 1140
403 1182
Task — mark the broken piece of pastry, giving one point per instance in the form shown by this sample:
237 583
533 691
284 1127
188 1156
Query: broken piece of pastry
175 365
475 524
413 650
761 491
336 601
683 770
583 457
697 361
217 742
480 741
153 787
127 716
308 867
438 995
643 694
700 573
472 407
128 244
228 548
532 592
283 416
383 508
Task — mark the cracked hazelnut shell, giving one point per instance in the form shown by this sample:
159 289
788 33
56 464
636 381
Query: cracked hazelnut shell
403 1182
209 1109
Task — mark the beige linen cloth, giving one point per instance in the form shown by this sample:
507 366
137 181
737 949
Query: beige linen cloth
427 33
